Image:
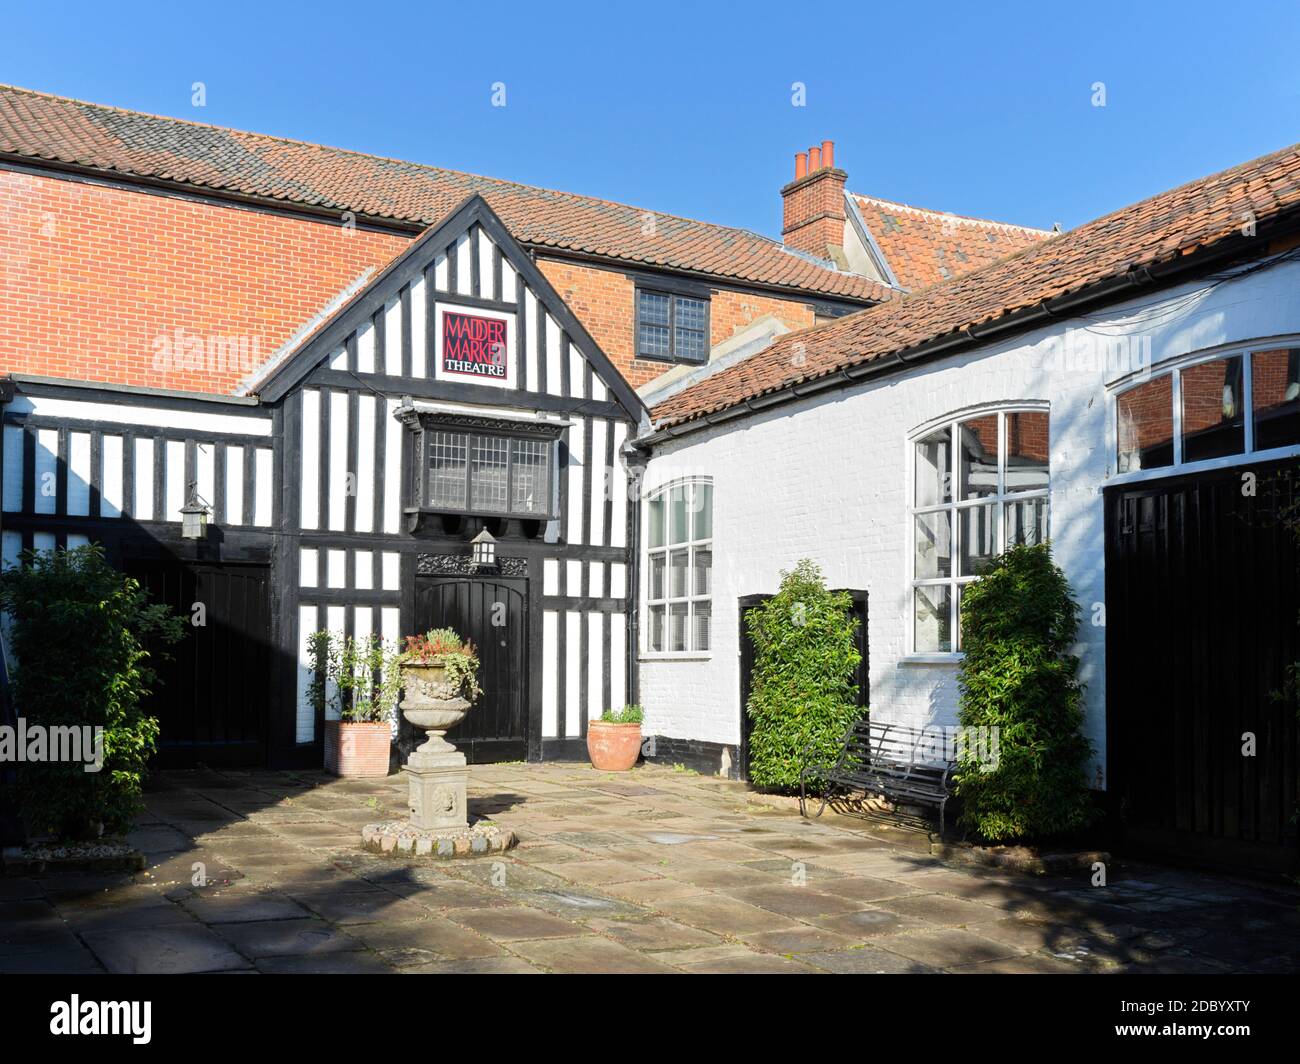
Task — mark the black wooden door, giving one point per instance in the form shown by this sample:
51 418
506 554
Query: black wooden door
861 677
494 615
1202 606
213 705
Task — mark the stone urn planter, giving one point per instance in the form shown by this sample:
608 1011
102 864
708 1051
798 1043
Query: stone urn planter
614 744
357 749
432 703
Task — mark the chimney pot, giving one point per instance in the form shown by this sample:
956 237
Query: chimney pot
814 159
800 165
828 153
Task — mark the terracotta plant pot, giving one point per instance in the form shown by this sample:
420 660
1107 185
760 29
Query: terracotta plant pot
357 748
613 747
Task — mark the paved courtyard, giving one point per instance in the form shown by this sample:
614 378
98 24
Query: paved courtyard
655 870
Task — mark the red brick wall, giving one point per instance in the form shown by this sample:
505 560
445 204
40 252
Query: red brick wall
97 281
117 285
604 301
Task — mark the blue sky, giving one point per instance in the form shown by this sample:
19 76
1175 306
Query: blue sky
981 109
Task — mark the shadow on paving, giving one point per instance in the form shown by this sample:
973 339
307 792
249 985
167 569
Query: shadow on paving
650 871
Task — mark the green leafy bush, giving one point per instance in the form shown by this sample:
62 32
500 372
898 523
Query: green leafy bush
356 677
1017 676
626 715
79 634
802 690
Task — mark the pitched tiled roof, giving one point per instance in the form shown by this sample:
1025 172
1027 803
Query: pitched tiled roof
925 247
55 128
1208 214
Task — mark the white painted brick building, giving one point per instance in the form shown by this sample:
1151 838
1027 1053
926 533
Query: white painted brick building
828 478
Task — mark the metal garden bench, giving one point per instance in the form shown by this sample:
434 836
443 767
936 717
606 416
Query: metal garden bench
893 760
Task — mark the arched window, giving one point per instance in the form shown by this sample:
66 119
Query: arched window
980 484
679 568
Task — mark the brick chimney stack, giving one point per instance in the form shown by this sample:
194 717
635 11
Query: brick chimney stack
814 204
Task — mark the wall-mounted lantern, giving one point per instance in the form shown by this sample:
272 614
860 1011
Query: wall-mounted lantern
484 547
194 516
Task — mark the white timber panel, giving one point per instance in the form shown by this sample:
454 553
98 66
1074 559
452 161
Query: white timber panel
13 468
309 561
599 481
577 371
619 489
617 660
47 464
529 325
365 480
174 484
110 480
418 312
142 506
366 348
576 432
263 494
554 366
234 485
392 468
393 338
572 673
305 730
338 443
595 665
148 416
392 569
550 674
310 488
463 267
205 458
78 501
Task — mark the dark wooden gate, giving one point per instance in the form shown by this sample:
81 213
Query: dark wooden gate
1202 606
861 677
214 703
493 613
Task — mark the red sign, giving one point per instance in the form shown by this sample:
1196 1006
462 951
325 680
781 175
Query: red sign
473 346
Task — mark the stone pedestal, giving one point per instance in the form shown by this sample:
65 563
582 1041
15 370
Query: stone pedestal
437 776
437 779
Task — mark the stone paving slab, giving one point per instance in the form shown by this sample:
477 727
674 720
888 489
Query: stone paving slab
163 951
653 870
278 938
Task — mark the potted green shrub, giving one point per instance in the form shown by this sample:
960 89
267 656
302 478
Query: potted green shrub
359 680
614 741
439 682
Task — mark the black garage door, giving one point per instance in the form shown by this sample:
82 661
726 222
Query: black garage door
1202 604
213 705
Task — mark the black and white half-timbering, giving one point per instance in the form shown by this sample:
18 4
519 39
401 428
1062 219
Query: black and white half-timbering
454 393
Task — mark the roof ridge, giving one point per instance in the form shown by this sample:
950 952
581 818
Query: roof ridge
969 219
401 162
1196 216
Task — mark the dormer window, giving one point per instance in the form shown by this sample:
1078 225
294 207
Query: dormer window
484 467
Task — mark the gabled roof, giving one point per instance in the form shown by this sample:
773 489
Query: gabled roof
923 247
55 129
284 373
1233 213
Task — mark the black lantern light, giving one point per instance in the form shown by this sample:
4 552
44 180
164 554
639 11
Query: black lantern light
194 516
